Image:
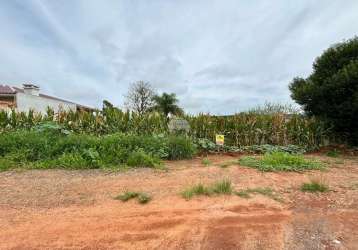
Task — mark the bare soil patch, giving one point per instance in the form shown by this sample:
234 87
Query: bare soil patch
58 209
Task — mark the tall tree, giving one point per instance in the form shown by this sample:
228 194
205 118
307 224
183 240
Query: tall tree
167 104
331 91
140 97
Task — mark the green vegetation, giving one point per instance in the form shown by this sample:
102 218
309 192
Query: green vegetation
263 191
142 197
220 187
280 161
314 187
330 92
206 162
333 153
54 149
258 127
228 164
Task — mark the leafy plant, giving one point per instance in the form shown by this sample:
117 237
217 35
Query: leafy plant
280 161
206 162
141 159
314 187
143 198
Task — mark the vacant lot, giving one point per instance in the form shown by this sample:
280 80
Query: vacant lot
58 209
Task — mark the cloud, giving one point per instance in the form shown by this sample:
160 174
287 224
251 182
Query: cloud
218 57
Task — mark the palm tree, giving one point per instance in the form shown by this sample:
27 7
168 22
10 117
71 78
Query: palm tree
167 104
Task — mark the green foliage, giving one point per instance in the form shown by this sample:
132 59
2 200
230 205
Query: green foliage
331 91
266 148
263 191
220 187
206 162
141 159
262 126
314 187
333 153
167 104
143 198
77 151
180 147
280 161
198 189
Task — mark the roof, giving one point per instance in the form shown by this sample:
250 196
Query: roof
8 90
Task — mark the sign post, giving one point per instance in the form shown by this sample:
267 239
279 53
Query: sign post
219 139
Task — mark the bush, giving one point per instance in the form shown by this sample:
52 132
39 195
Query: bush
50 149
280 161
141 159
180 147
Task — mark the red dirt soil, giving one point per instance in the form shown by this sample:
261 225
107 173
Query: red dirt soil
58 209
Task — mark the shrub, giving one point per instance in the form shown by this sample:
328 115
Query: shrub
144 198
280 161
127 196
52 149
141 159
180 147
314 187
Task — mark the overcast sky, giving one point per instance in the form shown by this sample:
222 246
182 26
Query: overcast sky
218 56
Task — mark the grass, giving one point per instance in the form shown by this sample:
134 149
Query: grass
220 187
128 195
281 161
246 193
333 153
227 164
206 162
314 187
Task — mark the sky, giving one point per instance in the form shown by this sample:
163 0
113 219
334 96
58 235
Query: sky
218 56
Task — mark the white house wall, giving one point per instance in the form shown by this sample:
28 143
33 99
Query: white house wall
25 102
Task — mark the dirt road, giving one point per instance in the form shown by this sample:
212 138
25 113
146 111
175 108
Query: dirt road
56 209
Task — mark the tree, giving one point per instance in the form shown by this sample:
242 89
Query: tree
167 103
140 97
331 91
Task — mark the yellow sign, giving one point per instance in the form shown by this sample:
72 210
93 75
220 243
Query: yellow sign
220 140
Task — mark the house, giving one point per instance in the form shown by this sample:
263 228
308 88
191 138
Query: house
29 97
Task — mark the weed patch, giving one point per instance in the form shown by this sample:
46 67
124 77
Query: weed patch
246 193
314 187
220 187
142 197
281 161
333 153
206 162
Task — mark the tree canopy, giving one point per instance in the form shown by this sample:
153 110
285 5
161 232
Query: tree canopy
140 97
331 91
167 104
